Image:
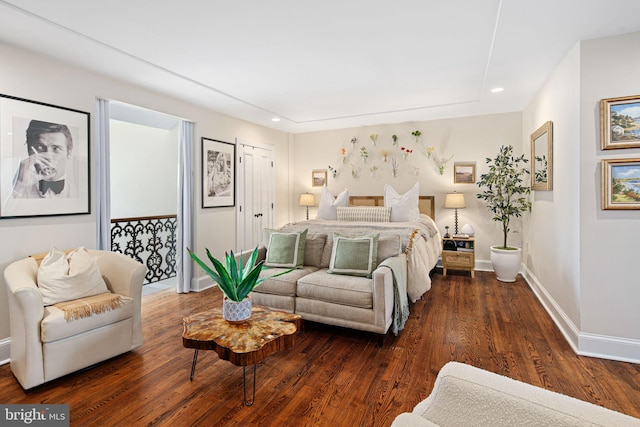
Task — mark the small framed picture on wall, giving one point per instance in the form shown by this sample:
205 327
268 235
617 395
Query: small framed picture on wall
620 187
618 123
464 173
318 177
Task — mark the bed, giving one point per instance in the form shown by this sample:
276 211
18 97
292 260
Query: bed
420 240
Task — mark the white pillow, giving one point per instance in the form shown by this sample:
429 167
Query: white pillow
327 208
63 277
404 207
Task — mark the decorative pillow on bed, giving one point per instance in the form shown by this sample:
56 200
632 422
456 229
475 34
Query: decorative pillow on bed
63 277
404 207
328 204
354 256
286 249
364 213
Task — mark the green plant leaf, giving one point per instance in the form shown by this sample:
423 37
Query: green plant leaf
222 284
226 284
232 267
250 263
249 283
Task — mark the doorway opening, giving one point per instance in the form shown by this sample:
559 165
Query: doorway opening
144 159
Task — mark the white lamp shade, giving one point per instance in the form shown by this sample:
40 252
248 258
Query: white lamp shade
468 230
307 199
454 201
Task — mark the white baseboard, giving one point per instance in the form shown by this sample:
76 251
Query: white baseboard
199 284
582 343
5 347
481 265
568 329
606 347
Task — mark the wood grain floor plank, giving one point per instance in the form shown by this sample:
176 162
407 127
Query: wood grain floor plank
335 376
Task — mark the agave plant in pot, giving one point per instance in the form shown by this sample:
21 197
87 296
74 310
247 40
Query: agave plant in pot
235 281
505 193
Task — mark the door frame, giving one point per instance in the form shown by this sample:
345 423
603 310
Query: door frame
240 180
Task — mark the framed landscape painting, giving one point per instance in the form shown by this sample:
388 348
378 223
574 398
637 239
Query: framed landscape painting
620 183
318 177
44 158
464 173
218 173
620 123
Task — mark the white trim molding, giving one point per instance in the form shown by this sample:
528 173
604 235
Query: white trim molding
5 347
199 284
582 343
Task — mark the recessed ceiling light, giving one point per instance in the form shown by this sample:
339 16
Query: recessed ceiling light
275 119
497 89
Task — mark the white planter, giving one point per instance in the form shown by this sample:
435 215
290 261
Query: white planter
506 263
236 312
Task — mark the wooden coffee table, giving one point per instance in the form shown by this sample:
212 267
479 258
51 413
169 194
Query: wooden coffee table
245 344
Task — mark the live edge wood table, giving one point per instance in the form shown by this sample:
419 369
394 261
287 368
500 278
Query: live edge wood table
244 344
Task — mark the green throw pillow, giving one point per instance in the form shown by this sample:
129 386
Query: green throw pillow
354 256
286 249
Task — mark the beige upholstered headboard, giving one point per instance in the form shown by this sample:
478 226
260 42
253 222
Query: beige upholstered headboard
425 203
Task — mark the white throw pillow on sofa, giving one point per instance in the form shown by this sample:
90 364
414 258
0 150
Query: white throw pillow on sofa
63 277
404 207
327 208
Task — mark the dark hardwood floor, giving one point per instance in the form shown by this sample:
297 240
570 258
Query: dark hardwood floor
333 376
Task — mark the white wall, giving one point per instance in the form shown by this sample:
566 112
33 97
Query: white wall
609 239
145 178
468 139
34 77
582 260
552 253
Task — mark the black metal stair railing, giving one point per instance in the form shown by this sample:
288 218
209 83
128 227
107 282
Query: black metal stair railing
150 240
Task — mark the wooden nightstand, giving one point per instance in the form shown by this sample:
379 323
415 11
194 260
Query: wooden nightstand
463 258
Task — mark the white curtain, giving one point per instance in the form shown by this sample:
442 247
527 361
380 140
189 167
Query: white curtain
103 177
185 204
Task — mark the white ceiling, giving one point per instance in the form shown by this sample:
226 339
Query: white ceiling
322 65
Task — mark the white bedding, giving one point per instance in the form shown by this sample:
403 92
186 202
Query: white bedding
421 242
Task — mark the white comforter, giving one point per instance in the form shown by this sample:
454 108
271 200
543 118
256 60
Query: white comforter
421 242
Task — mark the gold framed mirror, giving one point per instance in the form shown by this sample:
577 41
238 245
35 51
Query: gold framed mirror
542 158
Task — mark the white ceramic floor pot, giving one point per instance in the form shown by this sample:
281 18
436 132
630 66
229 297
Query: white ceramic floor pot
236 312
506 263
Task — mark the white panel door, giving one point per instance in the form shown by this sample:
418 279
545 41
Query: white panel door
255 193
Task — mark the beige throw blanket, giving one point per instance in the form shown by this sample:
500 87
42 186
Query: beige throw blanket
85 307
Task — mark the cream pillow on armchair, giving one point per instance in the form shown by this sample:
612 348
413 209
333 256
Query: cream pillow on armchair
63 277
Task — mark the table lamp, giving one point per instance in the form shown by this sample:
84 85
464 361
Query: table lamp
307 199
454 201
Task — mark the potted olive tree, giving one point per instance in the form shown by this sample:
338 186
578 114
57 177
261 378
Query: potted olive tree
504 191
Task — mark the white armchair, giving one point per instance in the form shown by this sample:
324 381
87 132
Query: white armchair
467 396
45 346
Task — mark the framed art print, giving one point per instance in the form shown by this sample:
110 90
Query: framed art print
464 173
620 187
318 177
218 173
620 123
44 157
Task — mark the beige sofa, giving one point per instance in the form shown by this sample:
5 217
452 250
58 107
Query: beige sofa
341 300
45 346
467 396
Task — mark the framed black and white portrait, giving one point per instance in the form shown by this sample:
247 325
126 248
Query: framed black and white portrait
218 173
44 157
